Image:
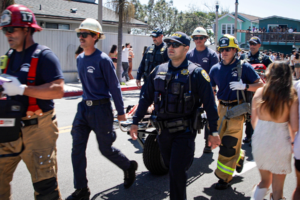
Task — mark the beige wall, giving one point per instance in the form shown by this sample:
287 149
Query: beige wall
64 43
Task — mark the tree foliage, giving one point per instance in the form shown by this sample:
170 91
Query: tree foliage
125 9
4 4
164 15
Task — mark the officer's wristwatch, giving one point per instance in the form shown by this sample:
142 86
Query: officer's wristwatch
215 134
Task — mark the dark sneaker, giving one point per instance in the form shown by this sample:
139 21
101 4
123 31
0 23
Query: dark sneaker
129 174
246 140
207 149
239 166
221 185
80 194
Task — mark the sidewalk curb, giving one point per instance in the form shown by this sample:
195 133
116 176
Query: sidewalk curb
80 92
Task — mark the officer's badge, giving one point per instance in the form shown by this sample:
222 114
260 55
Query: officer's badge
205 75
185 72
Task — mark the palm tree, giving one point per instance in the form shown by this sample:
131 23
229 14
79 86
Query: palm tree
5 3
125 10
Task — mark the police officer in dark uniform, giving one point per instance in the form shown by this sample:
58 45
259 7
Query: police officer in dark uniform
254 56
178 88
155 54
99 83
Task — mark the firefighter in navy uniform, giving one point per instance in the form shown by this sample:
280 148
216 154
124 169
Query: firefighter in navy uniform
178 88
37 80
155 54
225 75
94 113
254 57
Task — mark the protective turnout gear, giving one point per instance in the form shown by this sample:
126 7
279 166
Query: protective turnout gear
227 41
230 148
14 87
93 26
39 157
19 16
200 31
234 85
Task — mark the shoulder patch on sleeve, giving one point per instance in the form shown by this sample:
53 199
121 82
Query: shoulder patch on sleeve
205 75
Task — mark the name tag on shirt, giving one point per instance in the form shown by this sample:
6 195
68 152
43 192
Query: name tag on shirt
25 67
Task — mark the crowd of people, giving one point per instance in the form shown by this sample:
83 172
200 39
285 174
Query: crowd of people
178 81
275 29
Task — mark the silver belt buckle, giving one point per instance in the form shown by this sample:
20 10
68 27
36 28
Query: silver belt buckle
89 102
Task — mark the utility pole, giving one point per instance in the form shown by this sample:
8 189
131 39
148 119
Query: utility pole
236 17
99 44
217 24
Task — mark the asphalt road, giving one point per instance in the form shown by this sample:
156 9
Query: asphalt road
106 180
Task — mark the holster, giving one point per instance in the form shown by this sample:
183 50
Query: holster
173 125
10 120
198 121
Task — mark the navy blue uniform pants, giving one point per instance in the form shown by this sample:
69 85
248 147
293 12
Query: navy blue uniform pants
177 150
206 133
98 118
249 129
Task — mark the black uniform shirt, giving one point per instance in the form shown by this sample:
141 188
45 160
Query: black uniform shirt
252 59
141 69
200 86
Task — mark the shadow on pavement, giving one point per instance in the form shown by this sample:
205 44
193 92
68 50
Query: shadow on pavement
146 186
136 144
229 194
199 167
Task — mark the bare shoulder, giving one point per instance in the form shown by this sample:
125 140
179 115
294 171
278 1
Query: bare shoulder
258 93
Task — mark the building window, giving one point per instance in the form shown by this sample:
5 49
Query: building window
228 29
58 26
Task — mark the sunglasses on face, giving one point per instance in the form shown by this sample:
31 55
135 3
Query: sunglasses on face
225 49
252 44
198 38
83 34
174 44
10 29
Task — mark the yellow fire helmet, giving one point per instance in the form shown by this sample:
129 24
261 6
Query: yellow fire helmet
228 41
93 26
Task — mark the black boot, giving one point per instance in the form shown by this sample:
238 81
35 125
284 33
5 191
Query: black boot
222 185
246 140
240 165
80 194
129 174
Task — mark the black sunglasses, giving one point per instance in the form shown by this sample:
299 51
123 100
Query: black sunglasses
83 34
252 44
174 44
10 29
225 49
198 38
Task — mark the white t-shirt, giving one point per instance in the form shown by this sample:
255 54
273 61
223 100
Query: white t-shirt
292 58
291 30
125 54
297 138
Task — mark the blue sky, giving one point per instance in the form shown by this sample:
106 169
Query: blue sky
260 8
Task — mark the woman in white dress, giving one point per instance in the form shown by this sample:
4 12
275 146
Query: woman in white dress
275 122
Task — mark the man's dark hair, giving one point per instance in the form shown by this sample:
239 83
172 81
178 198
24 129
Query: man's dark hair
127 44
294 50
